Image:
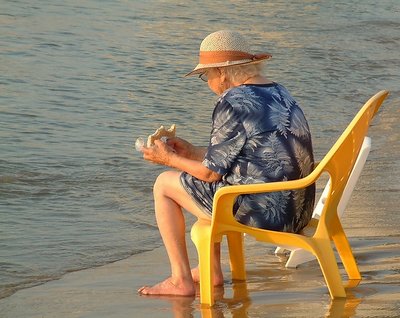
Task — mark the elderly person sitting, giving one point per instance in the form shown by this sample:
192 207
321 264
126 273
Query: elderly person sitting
259 134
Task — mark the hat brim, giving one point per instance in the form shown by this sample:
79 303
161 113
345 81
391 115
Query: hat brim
200 68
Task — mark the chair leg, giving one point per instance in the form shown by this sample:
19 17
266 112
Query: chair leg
330 270
344 250
236 255
201 238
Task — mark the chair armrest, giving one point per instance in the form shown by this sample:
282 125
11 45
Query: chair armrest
225 197
253 188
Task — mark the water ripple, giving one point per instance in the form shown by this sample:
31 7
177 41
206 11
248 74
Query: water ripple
80 81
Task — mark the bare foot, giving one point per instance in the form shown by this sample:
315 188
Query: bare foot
168 287
218 277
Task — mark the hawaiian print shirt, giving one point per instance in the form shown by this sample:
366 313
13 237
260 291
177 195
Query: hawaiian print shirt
259 134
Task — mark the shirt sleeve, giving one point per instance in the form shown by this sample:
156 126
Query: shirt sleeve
227 138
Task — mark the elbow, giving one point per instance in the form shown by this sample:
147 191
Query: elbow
212 176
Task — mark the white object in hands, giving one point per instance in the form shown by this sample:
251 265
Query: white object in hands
139 144
162 134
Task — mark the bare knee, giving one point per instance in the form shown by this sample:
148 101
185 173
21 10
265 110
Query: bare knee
164 182
168 186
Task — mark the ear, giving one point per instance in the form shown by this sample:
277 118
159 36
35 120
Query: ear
222 75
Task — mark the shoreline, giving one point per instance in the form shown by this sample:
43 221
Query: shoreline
110 290
49 279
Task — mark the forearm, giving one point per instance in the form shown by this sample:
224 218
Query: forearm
187 158
187 150
194 167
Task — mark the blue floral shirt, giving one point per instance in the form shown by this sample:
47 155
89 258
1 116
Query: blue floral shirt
259 134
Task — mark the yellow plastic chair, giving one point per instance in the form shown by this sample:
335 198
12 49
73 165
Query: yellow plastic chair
298 255
338 163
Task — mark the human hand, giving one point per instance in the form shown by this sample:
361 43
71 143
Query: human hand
181 147
160 153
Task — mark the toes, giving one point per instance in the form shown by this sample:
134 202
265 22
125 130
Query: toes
167 287
142 290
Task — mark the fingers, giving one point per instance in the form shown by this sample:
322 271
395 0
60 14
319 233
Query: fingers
159 153
159 143
174 141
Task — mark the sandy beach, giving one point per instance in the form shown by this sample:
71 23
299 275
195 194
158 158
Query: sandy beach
271 289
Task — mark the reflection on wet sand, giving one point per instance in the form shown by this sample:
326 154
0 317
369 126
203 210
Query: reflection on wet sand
271 290
345 307
275 291
237 304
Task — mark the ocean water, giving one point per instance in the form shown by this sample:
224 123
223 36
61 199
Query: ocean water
81 80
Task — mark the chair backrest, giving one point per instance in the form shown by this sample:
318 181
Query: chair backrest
340 160
348 190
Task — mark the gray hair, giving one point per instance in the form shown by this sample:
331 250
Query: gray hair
240 73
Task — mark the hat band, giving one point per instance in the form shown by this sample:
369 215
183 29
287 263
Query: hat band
212 57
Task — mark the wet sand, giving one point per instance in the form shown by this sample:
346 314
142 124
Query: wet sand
270 290
371 221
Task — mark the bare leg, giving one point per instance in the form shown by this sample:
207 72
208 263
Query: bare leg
218 277
170 197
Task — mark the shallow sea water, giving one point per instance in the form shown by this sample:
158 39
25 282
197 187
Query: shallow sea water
81 80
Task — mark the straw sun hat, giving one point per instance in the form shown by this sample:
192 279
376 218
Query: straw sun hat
225 48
